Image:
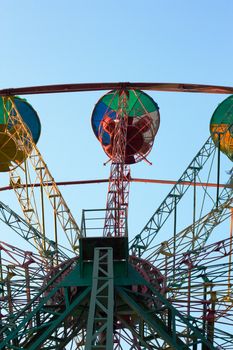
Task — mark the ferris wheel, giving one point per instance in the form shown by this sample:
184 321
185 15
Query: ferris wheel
89 286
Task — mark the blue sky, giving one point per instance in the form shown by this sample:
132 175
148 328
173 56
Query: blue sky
48 42
124 40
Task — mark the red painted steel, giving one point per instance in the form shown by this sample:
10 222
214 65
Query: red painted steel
98 181
118 188
170 87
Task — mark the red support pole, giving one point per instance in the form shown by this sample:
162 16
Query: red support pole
119 180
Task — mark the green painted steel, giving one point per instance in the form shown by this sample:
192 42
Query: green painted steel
100 316
144 239
168 331
50 327
53 317
30 233
42 318
204 226
159 328
159 319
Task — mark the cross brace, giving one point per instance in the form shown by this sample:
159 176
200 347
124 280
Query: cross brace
100 317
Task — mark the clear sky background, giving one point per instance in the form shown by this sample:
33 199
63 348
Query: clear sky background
51 42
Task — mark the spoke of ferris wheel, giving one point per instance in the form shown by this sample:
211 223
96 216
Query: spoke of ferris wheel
143 240
185 240
21 262
215 258
22 322
26 199
170 329
219 337
36 323
21 276
201 286
30 234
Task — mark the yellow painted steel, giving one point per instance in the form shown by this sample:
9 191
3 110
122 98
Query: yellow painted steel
27 152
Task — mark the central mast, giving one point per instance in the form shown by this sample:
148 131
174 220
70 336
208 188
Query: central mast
125 122
118 188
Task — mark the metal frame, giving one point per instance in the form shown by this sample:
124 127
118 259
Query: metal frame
100 316
142 241
30 234
119 179
123 300
44 321
44 177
